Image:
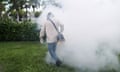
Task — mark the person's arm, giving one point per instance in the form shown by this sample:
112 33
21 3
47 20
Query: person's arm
61 27
42 33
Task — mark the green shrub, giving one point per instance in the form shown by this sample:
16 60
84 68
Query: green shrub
17 31
37 14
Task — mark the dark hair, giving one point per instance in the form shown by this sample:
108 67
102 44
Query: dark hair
49 14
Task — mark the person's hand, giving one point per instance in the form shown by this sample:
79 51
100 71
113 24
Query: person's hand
41 41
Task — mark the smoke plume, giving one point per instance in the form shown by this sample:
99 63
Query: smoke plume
92 32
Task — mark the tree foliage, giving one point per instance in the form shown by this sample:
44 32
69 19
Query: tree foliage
21 7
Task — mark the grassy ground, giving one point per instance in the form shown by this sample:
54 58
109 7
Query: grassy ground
26 57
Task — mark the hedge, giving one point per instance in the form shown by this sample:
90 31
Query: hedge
18 31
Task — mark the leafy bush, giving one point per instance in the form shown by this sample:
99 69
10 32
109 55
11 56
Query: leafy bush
17 31
37 14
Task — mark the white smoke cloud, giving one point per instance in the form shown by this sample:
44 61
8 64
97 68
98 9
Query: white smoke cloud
92 31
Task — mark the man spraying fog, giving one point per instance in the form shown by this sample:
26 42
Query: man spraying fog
51 29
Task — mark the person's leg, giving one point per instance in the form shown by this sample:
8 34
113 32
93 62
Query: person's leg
52 48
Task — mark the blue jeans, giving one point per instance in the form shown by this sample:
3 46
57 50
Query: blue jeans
52 49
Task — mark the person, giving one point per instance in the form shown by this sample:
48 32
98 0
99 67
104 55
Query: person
49 30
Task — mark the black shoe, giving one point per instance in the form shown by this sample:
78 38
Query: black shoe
58 63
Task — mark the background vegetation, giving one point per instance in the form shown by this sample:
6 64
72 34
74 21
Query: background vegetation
15 19
18 31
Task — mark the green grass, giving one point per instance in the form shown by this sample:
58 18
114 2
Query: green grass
26 57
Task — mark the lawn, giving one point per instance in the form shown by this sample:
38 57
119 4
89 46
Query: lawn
26 57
